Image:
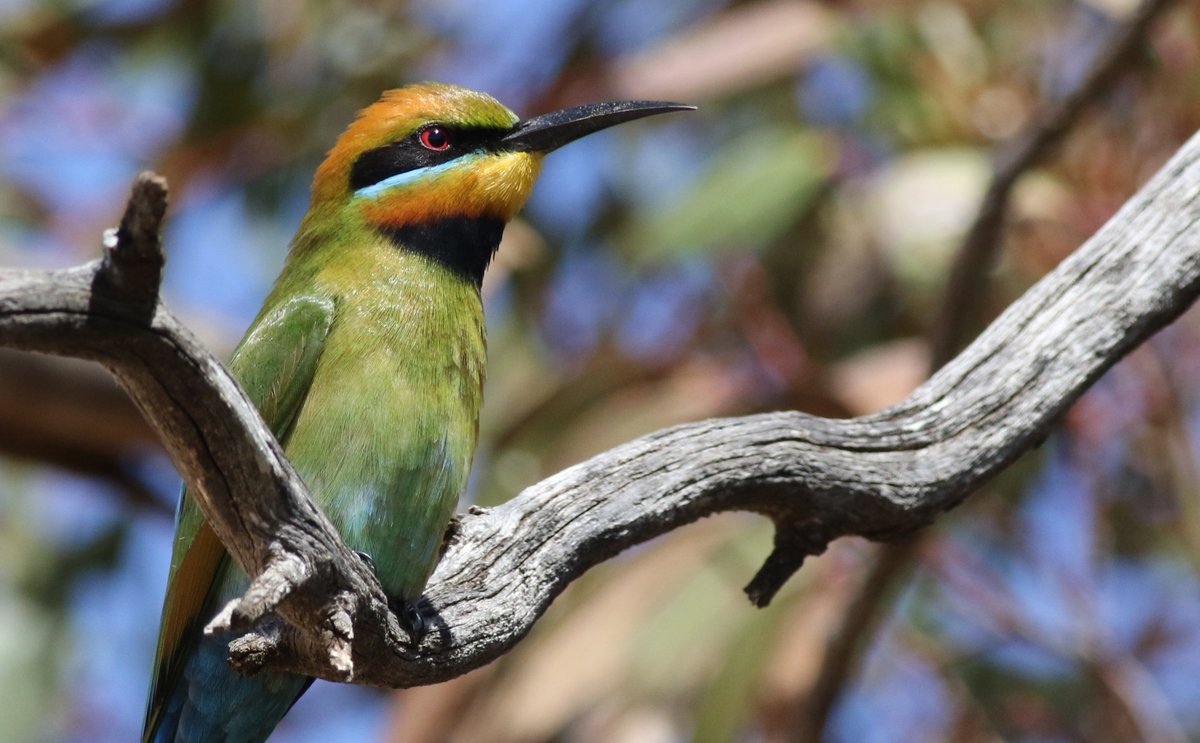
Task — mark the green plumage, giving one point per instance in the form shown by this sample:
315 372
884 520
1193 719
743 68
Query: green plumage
385 434
367 362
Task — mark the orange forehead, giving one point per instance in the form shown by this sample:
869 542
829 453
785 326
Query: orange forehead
398 113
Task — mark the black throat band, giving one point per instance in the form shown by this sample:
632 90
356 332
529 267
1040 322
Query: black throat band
462 244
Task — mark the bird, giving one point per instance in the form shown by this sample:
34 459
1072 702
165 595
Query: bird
366 361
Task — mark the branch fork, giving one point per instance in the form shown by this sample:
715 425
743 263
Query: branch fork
316 608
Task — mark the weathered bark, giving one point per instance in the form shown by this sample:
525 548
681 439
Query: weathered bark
879 476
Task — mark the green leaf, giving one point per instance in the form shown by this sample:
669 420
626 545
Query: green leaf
751 194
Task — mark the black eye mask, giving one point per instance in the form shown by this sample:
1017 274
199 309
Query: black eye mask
401 156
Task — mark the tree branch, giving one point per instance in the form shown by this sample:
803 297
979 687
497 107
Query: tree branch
879 476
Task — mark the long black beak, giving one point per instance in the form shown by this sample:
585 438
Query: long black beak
553 130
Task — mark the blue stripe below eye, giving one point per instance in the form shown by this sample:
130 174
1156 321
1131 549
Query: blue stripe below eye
411 176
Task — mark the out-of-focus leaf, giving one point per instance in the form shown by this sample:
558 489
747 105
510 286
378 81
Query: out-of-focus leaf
588 648
722 708
920 205
882 375
674 643
755 189
745 47
30 636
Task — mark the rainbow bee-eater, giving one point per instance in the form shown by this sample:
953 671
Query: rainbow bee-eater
367 362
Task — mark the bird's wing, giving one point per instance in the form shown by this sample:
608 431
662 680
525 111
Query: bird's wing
275 364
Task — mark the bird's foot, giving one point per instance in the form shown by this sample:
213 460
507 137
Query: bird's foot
370 561
408 612
411 619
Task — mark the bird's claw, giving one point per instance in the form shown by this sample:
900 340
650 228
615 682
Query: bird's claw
411 619
370 561
407 612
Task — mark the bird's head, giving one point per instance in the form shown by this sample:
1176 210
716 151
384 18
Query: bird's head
429 152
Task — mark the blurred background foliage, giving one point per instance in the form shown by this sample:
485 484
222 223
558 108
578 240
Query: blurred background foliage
784 247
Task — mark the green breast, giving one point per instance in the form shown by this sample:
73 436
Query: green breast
386 435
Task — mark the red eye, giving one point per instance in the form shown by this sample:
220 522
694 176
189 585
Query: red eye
435 138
